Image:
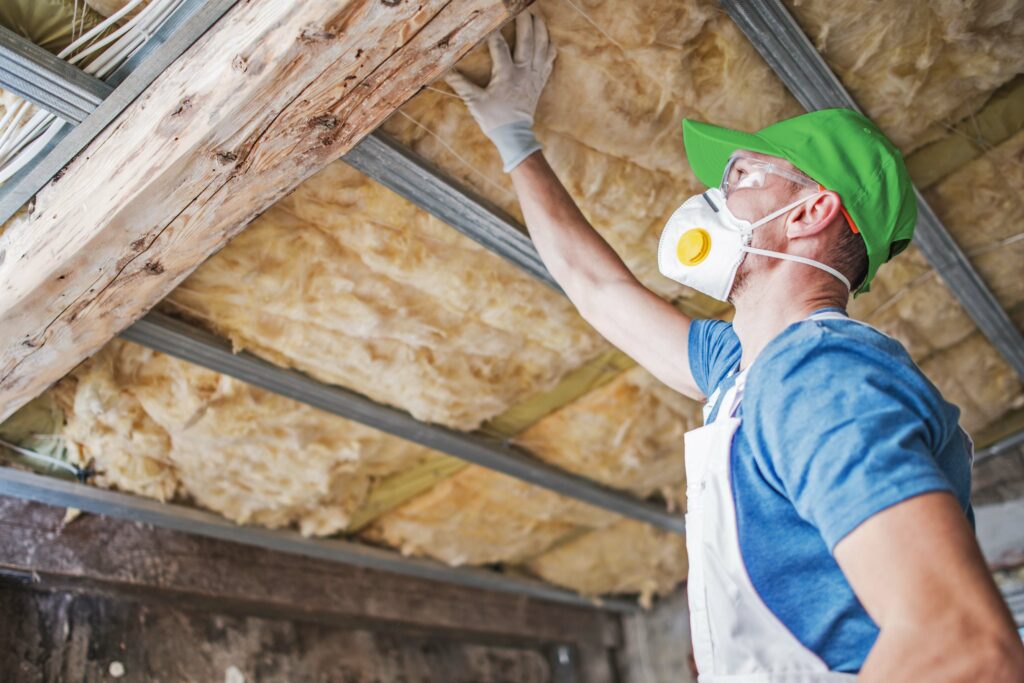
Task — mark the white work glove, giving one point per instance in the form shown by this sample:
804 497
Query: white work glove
504 109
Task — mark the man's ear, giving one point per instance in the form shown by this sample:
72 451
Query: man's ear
814 215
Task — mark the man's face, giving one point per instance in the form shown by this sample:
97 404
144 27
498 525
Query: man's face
752 204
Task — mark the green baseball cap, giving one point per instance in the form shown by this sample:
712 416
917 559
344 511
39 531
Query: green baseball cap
843 151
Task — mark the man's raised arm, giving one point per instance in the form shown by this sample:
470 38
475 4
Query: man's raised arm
599 284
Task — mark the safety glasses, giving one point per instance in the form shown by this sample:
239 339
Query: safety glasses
744 171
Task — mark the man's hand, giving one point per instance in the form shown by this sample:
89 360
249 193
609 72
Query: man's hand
918 572
592 275
504 109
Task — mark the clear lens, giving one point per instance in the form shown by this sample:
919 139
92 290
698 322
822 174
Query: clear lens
745 172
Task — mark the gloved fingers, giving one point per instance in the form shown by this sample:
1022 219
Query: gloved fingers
524 38
552 53
465 88
548 65
501 59
541 41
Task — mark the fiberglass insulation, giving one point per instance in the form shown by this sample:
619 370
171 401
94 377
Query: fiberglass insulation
982 204
159 427
349 283
480 516
627 434
355 286
609 119
627 557
917 66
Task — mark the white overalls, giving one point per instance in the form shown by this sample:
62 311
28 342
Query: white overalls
736 638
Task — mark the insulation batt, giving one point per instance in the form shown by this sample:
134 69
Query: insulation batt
355 286
159 427
609 119
627 434
916 67
982 204
479 516
627 557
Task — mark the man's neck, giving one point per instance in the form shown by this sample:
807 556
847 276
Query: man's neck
764 312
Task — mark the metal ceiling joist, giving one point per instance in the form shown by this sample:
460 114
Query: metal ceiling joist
47 81
181 340
183 28
53 491
1006 445
789 52
410 176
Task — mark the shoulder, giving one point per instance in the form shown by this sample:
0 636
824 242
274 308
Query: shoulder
832 346
714 350
845 365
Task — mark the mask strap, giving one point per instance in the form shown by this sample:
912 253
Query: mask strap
800 259
779 212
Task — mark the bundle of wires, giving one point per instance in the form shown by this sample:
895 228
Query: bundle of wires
26 131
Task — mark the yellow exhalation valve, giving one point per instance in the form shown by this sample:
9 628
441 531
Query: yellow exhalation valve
693 246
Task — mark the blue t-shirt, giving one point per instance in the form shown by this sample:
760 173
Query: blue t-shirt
838 423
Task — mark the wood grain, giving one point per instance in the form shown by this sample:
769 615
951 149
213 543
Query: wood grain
114 557
271 94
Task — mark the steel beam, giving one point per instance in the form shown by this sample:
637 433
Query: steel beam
183 28
47 81
786 48
1006 445
181 340
407 174
52 491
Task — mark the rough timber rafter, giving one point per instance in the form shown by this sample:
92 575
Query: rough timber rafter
282 90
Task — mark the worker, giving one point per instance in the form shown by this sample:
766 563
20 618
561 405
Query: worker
829 525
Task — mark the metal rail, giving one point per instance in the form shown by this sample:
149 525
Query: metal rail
183 28
1001 447
783 44
181 340
52 491
47 81
407 174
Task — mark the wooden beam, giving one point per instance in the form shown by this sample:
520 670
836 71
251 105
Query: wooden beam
115 557
271 94
57 634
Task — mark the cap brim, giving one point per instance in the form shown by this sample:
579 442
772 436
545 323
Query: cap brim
709 147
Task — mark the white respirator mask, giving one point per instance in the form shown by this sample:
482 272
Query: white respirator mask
703 244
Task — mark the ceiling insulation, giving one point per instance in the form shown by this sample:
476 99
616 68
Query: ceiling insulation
479 516
159 426
355 286
50 24
627 73
983 206
627 557
917 67
625 434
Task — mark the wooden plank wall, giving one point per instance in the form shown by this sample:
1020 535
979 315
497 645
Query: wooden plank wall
169 606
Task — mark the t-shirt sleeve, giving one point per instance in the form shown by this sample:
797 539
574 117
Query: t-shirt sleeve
714 350
841 432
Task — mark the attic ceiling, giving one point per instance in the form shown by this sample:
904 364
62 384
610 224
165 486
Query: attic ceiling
355 286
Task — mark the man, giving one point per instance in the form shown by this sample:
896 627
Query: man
828 516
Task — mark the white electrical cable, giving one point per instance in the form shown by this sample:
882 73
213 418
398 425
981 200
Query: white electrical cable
19 146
